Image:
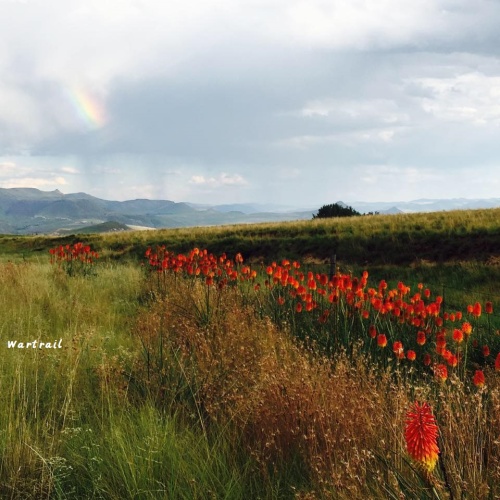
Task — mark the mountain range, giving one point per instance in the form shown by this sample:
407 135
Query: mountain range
31 211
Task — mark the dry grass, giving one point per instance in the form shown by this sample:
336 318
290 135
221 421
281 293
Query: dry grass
338 422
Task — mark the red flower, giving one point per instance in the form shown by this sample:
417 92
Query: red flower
488 307
421 337
497 362
486 351
467 328
421 434
441 372
478 378
458 335
381 340
411 355
476 310
397 349
372 331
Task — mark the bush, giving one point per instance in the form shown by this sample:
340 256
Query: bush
335 210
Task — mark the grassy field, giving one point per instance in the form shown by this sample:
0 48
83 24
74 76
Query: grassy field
208 380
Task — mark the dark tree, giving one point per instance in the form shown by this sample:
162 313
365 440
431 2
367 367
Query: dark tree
335 210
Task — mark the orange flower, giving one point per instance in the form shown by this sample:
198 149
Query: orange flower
478 378
476 310
421 434
467 328
411 355
381 340
372 331
458 335
397 349
441 372
421 337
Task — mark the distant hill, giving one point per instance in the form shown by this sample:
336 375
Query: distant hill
31 211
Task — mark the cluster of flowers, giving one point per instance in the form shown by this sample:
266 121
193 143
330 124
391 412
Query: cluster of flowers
73 258
219 271
68 253
419 315
416 324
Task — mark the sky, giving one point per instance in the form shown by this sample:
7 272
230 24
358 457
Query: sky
297 103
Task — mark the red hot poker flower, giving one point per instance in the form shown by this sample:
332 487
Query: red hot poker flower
478 378
421 434
476 310
381 340
441 372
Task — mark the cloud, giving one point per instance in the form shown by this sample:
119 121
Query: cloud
34 182
70 170
469 97
222 179
187 99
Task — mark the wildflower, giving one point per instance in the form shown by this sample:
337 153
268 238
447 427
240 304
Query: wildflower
381 340
427 359
372 331
441 372
486 351
488 308
467 328
421 434
478 378
458 335
476 310
411 355
497 362
397 349
421 337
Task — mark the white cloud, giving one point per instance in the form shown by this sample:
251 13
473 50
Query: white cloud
354 138
34 182
7 167
222 179
361 24
70 170
470 97
383 111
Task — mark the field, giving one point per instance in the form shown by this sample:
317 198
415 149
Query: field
243 362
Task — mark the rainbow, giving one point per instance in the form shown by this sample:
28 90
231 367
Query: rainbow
88 109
